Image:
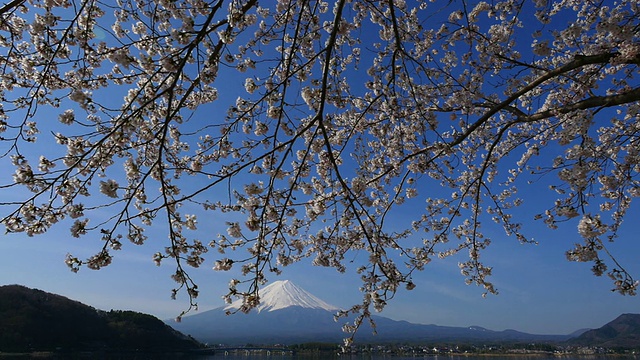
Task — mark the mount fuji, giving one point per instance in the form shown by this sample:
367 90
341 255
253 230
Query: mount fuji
283 294
288 314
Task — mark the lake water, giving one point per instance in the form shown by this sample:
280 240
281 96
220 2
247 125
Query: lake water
321 356
329 356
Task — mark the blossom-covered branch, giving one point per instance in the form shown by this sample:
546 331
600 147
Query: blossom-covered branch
307 127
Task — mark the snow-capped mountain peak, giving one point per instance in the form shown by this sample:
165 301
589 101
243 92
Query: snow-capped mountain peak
283 294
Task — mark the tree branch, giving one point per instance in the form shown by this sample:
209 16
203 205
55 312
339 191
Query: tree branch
577 63
592 102
10 6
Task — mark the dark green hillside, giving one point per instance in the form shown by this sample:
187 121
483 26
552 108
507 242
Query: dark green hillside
134 330
623 332
36 320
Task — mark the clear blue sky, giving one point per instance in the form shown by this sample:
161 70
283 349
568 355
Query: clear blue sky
540 292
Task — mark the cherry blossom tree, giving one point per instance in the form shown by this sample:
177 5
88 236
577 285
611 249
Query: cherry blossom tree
307 126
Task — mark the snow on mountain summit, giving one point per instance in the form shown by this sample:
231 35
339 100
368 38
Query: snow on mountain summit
283 294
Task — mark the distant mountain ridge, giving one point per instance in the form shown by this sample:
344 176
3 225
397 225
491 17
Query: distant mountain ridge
622 332
289 314
35 320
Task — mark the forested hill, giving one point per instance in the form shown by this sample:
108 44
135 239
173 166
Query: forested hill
34 320
623 332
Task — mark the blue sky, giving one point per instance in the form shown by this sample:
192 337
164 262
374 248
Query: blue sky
539 290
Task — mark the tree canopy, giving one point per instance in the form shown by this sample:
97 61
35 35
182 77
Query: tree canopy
307 126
